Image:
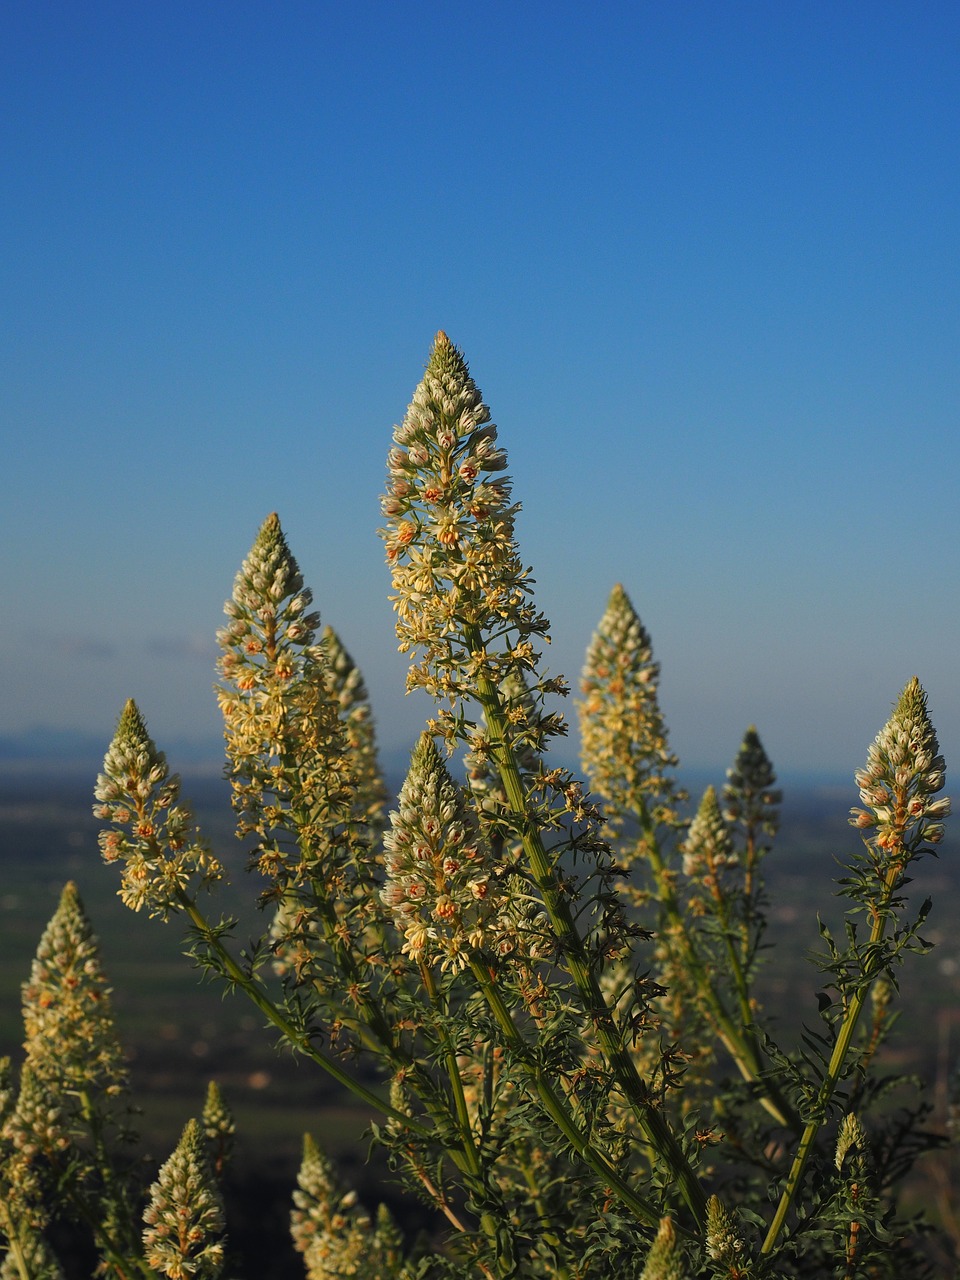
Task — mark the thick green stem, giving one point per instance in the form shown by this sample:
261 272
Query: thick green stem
13 1243
556 1108
840 1050
654 1126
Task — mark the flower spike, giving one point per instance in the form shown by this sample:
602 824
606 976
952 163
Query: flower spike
71 1043
449 542
184 1217
150 833
439 883
904 771
624 741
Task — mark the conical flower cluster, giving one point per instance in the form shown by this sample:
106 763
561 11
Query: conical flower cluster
71 1043
903 773
439 884
725 1243
285 741
335 1235
184 1219
749 794
347 688
450 539
851 1141
708 849
270 623
37 1127
151 832
219 1128
623 738
665 1261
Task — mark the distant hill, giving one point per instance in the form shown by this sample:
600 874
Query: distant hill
41 748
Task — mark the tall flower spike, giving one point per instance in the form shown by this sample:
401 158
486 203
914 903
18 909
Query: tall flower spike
457 576
219 1128
904 771
851 1137
71 1044
38 1125
439 885
665 1260
151 828
749 794
184 1216
624 746
346 685
332 1232
270 622
725 1242
285 742
708 849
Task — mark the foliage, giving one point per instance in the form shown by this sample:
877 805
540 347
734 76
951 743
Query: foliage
548 995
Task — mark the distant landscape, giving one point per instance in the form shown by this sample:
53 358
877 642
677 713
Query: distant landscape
179 1032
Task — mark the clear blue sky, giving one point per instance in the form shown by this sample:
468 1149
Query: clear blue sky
702 258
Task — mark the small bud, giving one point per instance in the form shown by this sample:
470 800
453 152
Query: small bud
665 1260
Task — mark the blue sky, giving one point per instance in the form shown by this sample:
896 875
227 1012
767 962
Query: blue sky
702 258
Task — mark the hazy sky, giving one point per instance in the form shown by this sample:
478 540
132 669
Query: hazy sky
702 258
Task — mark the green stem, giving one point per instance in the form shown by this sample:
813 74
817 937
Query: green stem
554 1105
13 1242
296 1038
119 1251
654 1126
738 1041
472 1160
840 1050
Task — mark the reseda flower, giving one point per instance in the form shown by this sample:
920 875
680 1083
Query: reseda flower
333 1233
219 1128
851 1137
285 742
71 1043
748 794
450 539
708 849
269 614
38 1125
623 738
184 1217
724 1241
347 688
139 795
439 885
904 771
